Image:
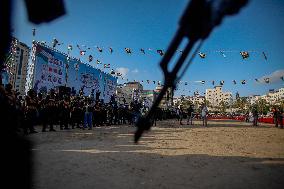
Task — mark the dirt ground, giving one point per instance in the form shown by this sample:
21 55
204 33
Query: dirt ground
225 154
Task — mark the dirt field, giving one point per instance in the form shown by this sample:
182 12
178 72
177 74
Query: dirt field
222 155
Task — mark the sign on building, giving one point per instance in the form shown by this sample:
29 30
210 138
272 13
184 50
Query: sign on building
51 69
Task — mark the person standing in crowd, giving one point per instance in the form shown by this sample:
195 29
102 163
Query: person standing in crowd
275 115
50 108
204 112
135 107
31 112
64 113
12 102
115 114
76 112
190 112
20 115
42 111
109 114
96 114
88 114
247 116
280 117
255 116
180 114
123 114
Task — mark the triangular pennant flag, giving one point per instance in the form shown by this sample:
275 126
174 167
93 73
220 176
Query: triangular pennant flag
234 81
106 65
154 82
223 54
54 42
112 72
161 52
256 80
159 82
264 55
244 54
90 58
82 52
99 49
222 82
202 55
34 31
110 50
127 50
243 82
266 80
70 47
142 51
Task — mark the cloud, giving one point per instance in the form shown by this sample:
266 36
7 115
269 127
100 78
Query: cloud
274 77
135 71
123 71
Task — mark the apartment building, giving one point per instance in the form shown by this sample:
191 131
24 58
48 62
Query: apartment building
18 69
216 95
128 92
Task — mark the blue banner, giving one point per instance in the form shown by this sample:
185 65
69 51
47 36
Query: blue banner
52 69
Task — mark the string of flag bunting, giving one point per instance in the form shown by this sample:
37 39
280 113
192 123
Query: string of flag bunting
83 50
120 75
214 83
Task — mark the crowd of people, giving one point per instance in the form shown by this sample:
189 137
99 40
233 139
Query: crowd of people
71 111
190 113
85 112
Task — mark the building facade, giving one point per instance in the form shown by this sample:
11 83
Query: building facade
197 100
273 97
131 91
148 97
216 96
167 100
128 92
18 66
